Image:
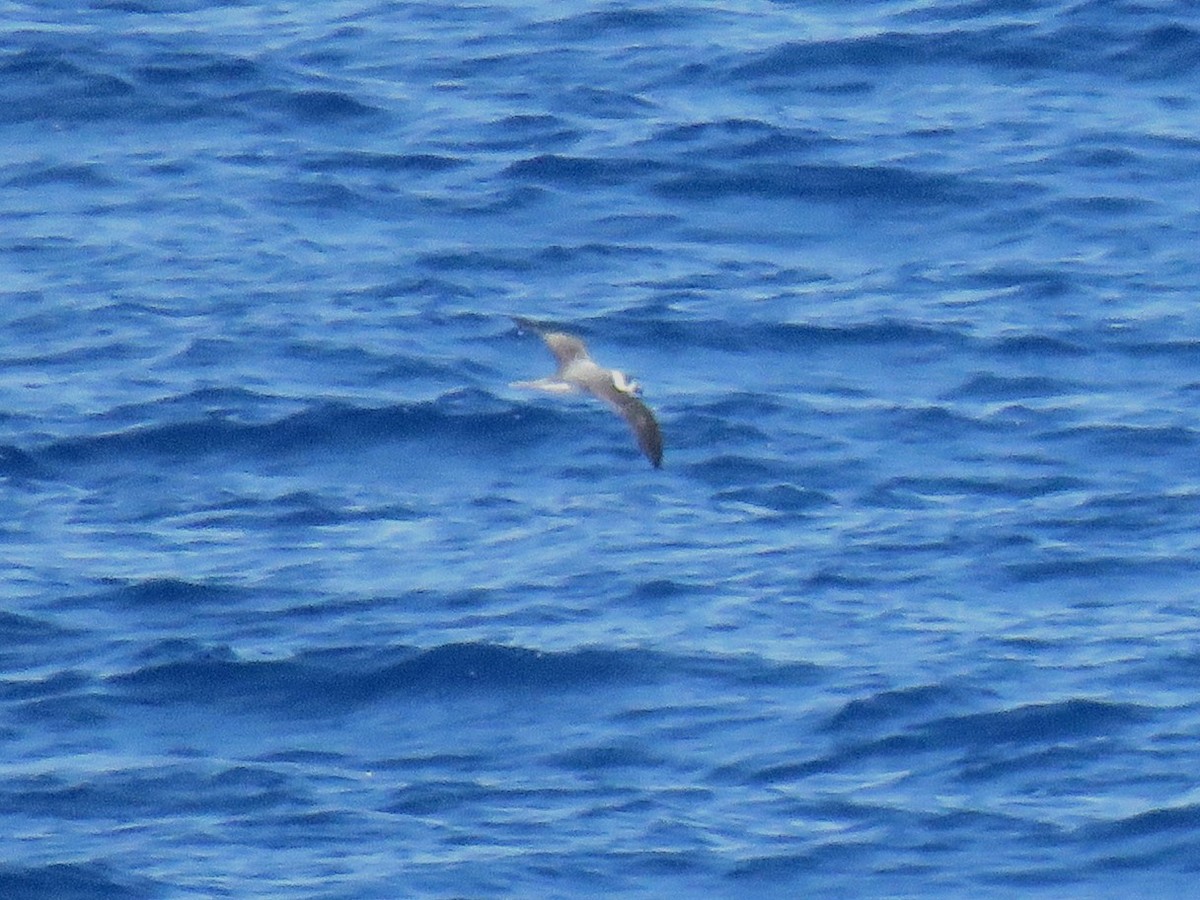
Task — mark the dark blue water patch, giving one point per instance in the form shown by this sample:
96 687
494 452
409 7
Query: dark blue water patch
541 133
1009 730
1127 440
1097 208
328 683
580 171
469 419
989 768
491 667
1035 724
348 361
438 798
122 795
883 186
1131 512
571 259
1035 282
171 650
1164 52
1185 350
826 578
136 7
665 334
991 387
618 23
832 858
315 107
744 140
605 758
164 593
462 764
1061 44
726 469
183 439
48 83
659 863
692 430
19 629
75 881
591 254
476 261
248 686
390 163
1084 566
98 351
971 10
18 465
177 69
323 683
1005 487
303 757
235 404
868 334
717 131
1011 47
603 103
658 590
892 707
1176 669
1151 823
1103 152
493 203
785 499
747 670
1040 346
920 424
25 641
412 289
64 714
744 404
893 495
327 196
75 175
56 685
788 146
299 509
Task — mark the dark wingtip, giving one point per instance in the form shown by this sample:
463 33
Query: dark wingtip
653 450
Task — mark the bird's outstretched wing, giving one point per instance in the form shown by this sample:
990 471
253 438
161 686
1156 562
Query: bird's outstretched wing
638 415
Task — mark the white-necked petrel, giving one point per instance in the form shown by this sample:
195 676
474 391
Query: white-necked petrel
578 370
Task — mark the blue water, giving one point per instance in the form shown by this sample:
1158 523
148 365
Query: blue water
303 600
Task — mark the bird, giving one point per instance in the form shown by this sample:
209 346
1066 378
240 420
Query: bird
576 369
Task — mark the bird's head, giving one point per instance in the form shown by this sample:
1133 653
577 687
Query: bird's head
625 385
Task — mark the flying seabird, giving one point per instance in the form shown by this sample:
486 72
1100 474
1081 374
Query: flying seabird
578 370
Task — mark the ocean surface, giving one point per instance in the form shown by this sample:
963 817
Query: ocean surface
303 600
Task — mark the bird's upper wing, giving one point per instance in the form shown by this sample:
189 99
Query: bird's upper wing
566 347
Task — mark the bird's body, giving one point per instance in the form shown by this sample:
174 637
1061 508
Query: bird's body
577 370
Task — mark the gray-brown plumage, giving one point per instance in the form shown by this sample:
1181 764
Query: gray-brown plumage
576 369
